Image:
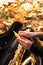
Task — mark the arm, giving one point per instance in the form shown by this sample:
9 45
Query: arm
38 50
30 34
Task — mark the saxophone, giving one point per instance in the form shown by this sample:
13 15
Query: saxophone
30 58
18 54
17 60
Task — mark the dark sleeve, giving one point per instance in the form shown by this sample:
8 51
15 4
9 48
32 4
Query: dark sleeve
38 50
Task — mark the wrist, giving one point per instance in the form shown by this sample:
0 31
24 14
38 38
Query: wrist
39 34
29 47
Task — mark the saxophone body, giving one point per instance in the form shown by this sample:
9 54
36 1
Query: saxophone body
17 59
18 56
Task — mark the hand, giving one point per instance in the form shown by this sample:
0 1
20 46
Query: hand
30 34
25 43
23 38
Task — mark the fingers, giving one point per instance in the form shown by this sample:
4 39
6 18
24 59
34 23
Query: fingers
24 33
30 34
25 43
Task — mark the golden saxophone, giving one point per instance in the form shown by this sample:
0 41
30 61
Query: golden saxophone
19 55
31 59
